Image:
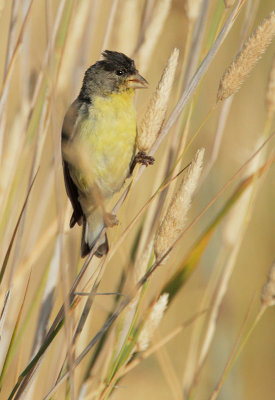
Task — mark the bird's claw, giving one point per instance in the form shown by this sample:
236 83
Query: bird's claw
142 158
110 220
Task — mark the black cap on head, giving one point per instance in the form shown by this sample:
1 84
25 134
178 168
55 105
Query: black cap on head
108 75
115 61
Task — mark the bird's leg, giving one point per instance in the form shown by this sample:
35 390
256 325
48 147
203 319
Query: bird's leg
110 219
141 158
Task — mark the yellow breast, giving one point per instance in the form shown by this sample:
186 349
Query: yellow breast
109 133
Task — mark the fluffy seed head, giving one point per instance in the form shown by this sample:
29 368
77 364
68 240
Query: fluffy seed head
156 110
152 322
270 93
268 292
246 59
174 220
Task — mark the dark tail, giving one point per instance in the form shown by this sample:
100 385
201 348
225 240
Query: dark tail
91 231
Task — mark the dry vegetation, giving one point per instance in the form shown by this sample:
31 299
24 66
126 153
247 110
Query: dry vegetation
180 307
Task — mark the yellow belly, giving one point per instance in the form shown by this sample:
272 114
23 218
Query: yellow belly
108 137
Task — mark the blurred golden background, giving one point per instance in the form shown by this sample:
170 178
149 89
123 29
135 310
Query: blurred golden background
44 54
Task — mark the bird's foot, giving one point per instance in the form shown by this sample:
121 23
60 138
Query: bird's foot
142 158
110 220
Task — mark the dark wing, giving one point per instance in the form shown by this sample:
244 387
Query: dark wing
71 189
72 193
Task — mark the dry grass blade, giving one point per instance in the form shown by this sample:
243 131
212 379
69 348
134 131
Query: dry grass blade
109 24
229 3
267 300
142 261
192 8
12 34
5 85
8 354
7 255
91 344
198 16
11 55
231 356
152 33
128 27
26 375
169 373
34 255
88 304
57 324
47 301
239 215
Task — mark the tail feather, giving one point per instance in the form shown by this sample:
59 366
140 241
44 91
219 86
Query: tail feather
75 219
103 248
92 229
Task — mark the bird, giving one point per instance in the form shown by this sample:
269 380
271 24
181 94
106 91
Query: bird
98 144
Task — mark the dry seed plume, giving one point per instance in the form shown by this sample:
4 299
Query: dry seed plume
174 221
270 93
268 292
152 322
152 33
155 114
192 9
246 59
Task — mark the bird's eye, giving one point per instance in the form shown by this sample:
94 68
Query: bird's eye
119 72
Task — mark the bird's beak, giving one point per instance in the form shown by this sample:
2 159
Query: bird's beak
136 81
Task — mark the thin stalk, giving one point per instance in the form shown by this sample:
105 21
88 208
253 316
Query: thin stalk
232 355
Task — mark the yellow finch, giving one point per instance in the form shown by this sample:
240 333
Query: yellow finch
98 144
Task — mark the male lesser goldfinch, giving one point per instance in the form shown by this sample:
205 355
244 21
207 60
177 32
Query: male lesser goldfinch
98 144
